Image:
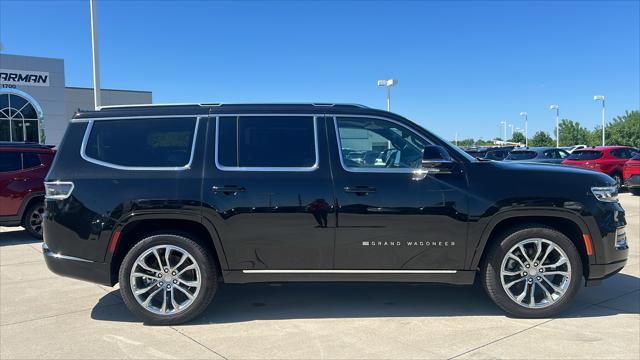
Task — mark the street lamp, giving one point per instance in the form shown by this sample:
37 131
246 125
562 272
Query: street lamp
526 120
598 98
94 50
388 84
557 109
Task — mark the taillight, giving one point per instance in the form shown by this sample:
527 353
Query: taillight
58 190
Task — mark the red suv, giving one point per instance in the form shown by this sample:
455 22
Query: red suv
23 167
607 159
631 173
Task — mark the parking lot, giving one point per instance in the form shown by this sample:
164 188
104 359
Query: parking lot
46 316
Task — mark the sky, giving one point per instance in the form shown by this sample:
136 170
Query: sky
462 67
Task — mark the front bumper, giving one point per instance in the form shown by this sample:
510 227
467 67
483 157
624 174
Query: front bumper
599 272
633 181
77 268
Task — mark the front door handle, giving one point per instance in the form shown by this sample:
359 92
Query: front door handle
360 190
228 189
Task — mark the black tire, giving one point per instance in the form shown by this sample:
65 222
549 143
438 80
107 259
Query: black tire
208 278
490 271
635 191
32 219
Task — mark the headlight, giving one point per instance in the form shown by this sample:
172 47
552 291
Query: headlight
606 193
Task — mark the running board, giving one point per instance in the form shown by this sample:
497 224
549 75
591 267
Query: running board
457 277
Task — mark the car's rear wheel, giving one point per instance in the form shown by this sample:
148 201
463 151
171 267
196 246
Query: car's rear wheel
32 219
532 272
167 279
635 191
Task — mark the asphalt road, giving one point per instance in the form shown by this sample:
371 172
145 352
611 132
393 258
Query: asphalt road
46 316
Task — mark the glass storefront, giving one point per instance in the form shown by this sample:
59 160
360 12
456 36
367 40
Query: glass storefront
19 120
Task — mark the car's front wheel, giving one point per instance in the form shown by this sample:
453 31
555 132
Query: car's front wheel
532 272
167 279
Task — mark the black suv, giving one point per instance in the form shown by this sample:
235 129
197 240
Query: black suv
171 200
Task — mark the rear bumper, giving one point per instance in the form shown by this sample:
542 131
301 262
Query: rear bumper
77 268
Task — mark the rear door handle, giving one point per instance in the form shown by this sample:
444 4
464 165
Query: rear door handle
360 190
228 189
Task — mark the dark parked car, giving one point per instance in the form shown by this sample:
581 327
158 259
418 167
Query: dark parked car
607 159
171 200
23 167
547 155
497 153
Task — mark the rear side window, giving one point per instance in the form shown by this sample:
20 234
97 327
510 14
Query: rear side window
522 155
585 155
623 153
266 142
10 161
161 142
30 160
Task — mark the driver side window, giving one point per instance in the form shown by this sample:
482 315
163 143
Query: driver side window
378 144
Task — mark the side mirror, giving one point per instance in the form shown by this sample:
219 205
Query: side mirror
436 160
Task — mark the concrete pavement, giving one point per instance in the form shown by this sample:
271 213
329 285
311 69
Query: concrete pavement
46 316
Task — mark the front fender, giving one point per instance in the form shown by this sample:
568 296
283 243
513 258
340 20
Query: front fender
503 215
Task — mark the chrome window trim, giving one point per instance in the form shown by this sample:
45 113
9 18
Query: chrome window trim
349 271
314 167
87 133
372 170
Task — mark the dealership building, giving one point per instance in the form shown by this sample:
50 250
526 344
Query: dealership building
36 104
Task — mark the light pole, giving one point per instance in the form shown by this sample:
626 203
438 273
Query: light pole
94 48
526 120
504 131
598 98
388 84
557 109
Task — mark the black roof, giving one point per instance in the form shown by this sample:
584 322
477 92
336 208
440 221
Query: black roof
215 108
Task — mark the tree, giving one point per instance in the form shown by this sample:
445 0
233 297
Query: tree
572 133
595 136
465 142
518 137
541 138
624 130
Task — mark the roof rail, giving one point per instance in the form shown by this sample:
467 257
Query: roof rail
25 144
221 104
153 105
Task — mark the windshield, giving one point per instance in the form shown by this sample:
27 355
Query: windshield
522 155
455 148
585 155
636 157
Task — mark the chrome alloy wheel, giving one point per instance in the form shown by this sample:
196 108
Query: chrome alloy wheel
535 273
35 219
165 279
